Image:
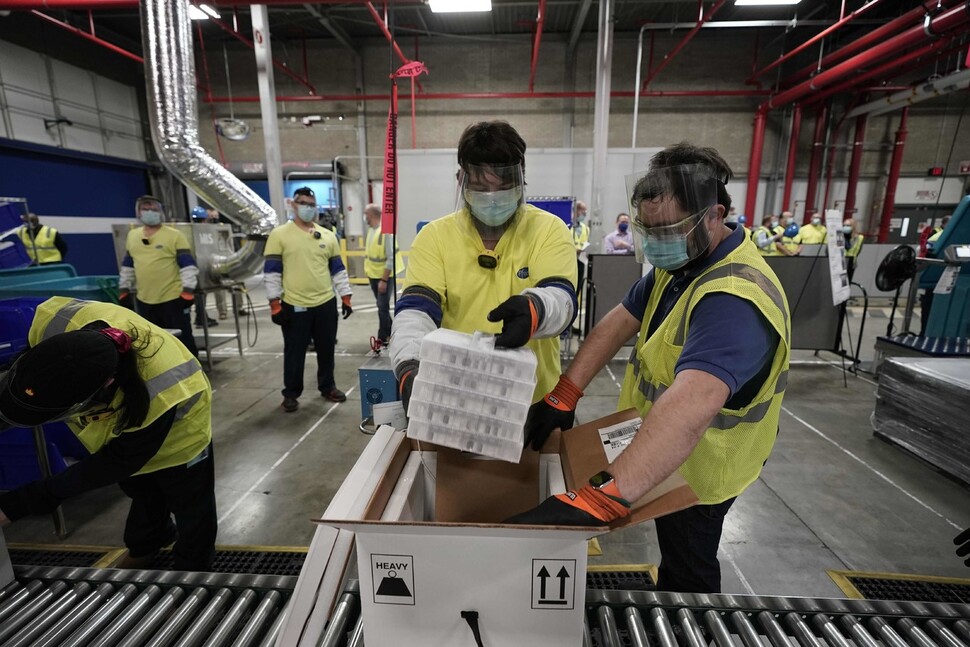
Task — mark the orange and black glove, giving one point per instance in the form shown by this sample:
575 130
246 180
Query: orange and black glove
520 316
555 411
588 506
126 300
407 371
277 313
345 308
187 297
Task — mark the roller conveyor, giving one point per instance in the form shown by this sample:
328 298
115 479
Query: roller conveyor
48 607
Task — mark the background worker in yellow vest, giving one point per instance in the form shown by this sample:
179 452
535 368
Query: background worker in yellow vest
707 374
44 244
853 244
303 299
766 238
497 264
580 241
937 232
159 269
381 269
788 229
139 402
813 233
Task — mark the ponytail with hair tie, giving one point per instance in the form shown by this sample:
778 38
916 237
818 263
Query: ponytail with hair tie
120 338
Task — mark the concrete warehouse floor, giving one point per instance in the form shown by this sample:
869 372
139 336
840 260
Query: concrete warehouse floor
832 496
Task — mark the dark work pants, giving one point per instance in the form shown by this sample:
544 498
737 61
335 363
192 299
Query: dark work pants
580 275
688 549
171 314
186 493
383 308
319 324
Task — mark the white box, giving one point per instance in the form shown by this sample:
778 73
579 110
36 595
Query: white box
6 568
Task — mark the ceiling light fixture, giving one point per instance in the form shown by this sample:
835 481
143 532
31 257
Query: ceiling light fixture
210 11
764 3
202 12
459 6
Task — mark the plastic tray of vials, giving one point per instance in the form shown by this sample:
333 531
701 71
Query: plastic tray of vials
471 396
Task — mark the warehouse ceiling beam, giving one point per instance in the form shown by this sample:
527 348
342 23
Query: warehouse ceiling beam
282 67
536 40
683 43
447 96
335 30
387 32
88 36
577 28
814 39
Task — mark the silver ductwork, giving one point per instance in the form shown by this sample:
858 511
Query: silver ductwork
173 116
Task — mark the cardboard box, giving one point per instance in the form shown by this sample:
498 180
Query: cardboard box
433 545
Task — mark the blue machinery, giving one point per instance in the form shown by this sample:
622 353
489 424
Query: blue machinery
950 313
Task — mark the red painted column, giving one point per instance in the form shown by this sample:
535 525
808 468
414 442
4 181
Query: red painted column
855 165
818 143
894 168
754 166
796 125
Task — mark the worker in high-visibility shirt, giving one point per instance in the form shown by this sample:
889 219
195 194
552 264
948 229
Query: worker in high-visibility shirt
707 374
853 244
381 268
44 243
159 271
766 237
813 233
937 232
496 265
138 400
789 231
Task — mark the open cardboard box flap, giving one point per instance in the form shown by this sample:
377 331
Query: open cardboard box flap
581 450
477 492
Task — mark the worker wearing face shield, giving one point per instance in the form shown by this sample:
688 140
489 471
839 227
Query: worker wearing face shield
707 374
496 265
159 271
140 403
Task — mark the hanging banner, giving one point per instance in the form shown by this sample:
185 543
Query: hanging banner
389 204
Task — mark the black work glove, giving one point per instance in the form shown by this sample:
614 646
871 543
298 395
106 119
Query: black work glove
520 316
553 512
557 410
345 308
126 300
964 549
408 371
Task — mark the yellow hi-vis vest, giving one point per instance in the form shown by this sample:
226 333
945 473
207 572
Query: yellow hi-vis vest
41 248
731 452
770 250
580 235
375 259
174 378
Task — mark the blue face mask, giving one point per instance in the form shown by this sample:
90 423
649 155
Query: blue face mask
623 226
306 212
493 208
151 218
666 253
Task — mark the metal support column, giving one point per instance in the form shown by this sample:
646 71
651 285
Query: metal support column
267 108
601 115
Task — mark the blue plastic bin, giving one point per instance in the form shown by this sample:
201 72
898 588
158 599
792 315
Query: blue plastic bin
13 253
23 275
15 318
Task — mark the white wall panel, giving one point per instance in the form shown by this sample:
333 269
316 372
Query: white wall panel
31 129
73 83
117 99
126 148
23 68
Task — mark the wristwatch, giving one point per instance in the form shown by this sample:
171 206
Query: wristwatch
601 480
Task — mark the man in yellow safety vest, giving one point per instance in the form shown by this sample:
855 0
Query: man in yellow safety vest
44 244
381 268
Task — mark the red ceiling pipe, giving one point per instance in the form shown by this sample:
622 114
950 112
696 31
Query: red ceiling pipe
90 37
888 204
796 125
133 4
815 161
875 36
540 20
855 164
814 39
282 67
887 68
387 33
942 23
674 94
754 165
683 43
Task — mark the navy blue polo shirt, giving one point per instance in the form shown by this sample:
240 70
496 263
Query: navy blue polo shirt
728 337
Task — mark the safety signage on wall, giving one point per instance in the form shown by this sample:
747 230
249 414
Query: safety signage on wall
554 583
393 577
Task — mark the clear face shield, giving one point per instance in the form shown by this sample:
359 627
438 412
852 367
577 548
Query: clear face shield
149 211
28 415
491 193
671 209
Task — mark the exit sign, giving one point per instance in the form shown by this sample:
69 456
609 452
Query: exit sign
965 167
935 171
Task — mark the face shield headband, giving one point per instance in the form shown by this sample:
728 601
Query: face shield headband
669 206
492 194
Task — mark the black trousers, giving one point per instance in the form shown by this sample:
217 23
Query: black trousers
186 493
383 308
580 275
171 314
688 549
319 324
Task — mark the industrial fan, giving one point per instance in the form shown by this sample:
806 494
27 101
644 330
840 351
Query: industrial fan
895 269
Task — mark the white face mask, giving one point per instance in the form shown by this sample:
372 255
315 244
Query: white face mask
151 218
305 212
816 221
